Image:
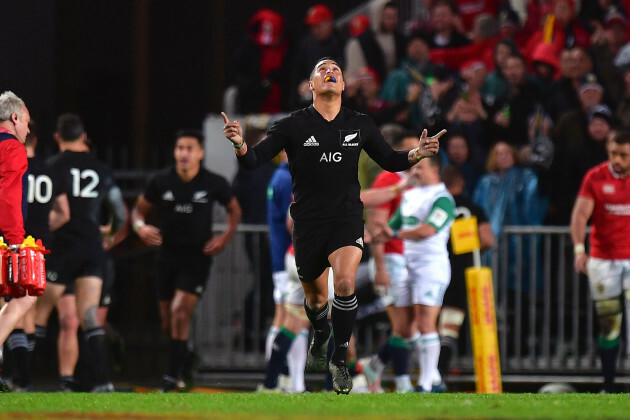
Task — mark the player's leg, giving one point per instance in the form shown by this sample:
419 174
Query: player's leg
449 324
68 341
12 312
280 279
430 343
181 310
316 309
88 295
344 262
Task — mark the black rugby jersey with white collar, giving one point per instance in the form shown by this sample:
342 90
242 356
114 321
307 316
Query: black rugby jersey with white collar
324 160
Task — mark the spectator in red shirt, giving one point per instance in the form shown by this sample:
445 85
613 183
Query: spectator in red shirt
14 119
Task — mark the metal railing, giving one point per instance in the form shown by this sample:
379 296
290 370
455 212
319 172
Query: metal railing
546 321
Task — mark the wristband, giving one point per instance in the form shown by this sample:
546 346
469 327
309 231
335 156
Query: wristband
417 154
137 225
395 233
240 146
579 249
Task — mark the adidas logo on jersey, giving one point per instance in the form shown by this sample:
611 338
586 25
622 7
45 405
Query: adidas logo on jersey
311 142
168 196
360 242
200 197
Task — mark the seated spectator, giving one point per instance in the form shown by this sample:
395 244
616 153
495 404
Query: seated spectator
562 95
445 91
468 113
545 66
415 69
322 41
510 112
380 47
563 31
469 10
362 94
508 194
458 155
445 33
496 84
260 64
622 110
358 25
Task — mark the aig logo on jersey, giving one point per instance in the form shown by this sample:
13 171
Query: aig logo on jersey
349 138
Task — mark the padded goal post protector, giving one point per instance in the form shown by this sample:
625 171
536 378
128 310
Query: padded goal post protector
483 325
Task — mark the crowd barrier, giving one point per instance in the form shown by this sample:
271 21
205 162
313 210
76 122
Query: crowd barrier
546 322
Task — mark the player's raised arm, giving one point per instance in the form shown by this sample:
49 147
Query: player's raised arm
234 133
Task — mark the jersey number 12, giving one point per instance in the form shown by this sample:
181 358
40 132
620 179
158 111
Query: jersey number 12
89 190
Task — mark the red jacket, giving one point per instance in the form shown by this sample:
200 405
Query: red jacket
13 168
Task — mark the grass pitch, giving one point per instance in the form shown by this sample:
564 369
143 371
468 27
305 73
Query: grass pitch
313 406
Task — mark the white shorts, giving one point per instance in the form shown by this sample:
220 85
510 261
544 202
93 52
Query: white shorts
607 278
427 282
396 267
295 293
280 284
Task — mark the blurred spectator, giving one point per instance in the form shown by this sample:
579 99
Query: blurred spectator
562 95
508 194
444 33
322 41
581 146
593 13
510 112
468 113
415 69
259 65
469 10
496 84
380 47
545 66
362 95
509 24
458 155
445 91
622 111
560 28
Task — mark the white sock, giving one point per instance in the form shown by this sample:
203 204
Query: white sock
297 360
271 336
429 356
403 383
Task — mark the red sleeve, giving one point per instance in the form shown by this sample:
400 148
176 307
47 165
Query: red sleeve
385 179
13 166
586 189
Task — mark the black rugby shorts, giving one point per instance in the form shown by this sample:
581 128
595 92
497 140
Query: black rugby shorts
70 260
184 272
314 242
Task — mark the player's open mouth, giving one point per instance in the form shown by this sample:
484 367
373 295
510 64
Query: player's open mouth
330 79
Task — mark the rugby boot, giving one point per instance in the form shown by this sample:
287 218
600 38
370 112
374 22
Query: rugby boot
316 357
342 381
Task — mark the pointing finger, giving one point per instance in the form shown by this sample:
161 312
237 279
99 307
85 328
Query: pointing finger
438 135
424 134
225 118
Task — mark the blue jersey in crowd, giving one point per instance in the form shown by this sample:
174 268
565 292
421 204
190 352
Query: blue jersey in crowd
279 194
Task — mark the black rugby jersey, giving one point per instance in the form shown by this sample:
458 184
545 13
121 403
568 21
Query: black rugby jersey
324 160
42 190
88 183
185 208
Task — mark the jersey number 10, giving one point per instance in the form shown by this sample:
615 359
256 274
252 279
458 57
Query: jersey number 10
40 188
89 190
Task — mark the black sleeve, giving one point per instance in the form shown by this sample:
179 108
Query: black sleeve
382 153
152 192
266 149
478 212
223 190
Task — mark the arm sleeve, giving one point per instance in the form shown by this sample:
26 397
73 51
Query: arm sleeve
396 221
13 166
381 152
586 189
152 192
224 191
266 149
116 207
442 212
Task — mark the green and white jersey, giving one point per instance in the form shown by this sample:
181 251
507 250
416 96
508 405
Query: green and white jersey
432 205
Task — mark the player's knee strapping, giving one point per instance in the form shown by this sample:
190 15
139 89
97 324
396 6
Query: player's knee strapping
450 322
609 312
